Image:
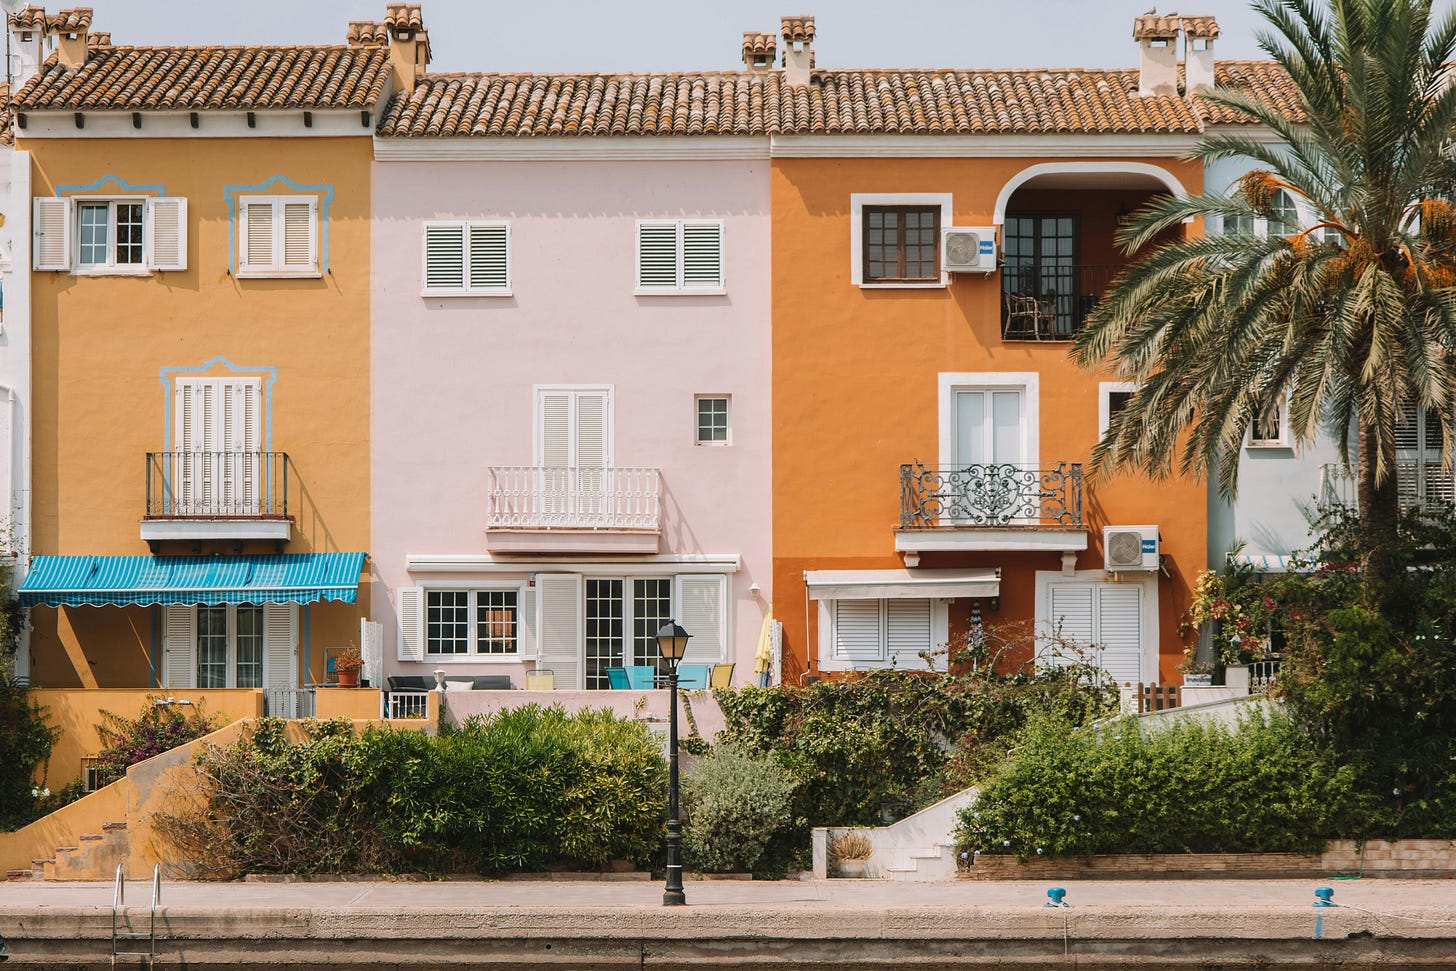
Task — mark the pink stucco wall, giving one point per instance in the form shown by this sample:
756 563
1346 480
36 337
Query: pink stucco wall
454 378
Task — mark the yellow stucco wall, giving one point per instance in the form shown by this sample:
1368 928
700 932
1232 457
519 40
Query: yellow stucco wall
102 344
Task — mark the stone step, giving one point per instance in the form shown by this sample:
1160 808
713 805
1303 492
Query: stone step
43 862
108 827
18 875
67 849
90 837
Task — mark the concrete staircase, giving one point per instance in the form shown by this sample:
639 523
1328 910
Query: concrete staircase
93 853
918 848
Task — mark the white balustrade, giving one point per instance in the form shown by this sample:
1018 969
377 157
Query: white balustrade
536 497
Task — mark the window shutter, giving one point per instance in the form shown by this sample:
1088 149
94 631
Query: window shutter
258 235
411 624
556 429
179 643
490 256
371 647
280 645
702 255
558 598
702 610
1070 621
166 231
657 263
52 227
300 235
444 256
527 618
1120 633
907 628
857 630
591 430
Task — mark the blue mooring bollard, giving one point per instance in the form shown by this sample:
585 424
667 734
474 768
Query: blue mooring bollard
1325 897
1056 895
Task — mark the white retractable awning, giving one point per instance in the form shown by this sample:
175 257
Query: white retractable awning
1272 562
901 584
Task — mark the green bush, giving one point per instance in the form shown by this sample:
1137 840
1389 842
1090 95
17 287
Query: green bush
1192 786
735 806
524 789
26 741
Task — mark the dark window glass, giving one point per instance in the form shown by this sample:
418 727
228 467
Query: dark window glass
901 244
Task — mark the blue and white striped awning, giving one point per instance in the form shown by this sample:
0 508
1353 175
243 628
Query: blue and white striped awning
57 581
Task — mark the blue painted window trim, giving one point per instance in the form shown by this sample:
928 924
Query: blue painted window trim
325 192
167 374
118 181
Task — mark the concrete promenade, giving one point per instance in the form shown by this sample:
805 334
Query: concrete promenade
838 924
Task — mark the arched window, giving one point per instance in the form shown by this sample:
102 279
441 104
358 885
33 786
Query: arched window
1283 217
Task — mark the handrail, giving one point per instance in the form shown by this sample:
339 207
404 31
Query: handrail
226 484
118 910
995 494
548 497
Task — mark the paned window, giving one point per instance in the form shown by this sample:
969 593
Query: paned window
1269 428
495 621
1283 216
604 629
1040 274
449 631
467 259
623 616
230 646
901 244
712 420
679 256
110 234
447 622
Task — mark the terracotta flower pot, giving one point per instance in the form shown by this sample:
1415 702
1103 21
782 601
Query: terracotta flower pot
349 679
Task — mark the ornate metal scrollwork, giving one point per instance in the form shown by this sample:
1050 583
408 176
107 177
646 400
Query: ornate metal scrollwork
990 495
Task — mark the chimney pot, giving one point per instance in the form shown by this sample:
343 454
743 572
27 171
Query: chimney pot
1199 33
71 27
798 34
409 43
1157 38
759 50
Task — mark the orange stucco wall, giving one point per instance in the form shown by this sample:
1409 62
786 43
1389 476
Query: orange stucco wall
855 390
101 345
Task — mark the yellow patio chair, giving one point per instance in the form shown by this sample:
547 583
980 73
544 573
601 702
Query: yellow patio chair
541 679
722 676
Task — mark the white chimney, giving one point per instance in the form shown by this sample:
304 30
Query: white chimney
1157 39
27 44
798 35
1199 33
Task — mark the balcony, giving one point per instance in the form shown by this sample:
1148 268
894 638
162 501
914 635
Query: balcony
1050 301
196 496
1422 487
536 509
991 507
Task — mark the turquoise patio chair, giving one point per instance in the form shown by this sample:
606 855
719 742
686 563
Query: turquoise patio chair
617 677
693 676
641 677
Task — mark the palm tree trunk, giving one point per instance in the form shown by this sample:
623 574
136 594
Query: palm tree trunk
1379 515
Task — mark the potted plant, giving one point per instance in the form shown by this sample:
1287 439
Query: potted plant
347 666
849 853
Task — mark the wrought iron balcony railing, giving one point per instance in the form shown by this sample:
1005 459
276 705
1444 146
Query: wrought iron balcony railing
217 485
1043 300
1422 486
543 497
990 495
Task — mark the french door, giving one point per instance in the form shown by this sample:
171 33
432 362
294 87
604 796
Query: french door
573 452
217 461
1041 261
623 616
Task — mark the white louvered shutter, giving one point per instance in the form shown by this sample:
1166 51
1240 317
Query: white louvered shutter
411 624
594 498
857 630
490 256
657 252
280 645
371 648
1120 631
702 610
444 256
559 601
235 438
528 620
1071 609
300 235
907 630
166 233
702 249
52 228
179 646
554 458
258 236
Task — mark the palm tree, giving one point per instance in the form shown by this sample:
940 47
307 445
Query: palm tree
1351 321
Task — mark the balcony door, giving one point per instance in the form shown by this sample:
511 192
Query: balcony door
573 456
217 458
990 434
1041 262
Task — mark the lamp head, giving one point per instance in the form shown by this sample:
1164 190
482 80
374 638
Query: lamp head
672 641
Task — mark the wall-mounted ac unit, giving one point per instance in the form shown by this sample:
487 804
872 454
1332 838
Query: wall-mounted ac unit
1127 548
970 249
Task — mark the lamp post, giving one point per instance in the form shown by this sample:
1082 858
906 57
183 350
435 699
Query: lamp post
672 641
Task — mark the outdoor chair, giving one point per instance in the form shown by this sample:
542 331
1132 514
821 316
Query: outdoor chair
617 677
693 676
1028 318
722 676
640 677
541 679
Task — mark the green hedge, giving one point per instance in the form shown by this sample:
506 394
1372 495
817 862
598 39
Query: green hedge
522 790
1192 786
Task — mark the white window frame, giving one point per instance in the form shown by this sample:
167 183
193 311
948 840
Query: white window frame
231 679
829 661
1303 216
680 289
1150 632
1027 382
1105 391
110 267
276 269
1282 439
474 656
857 203
698 420
466 226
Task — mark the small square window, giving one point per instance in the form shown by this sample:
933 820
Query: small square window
713 420
1268 429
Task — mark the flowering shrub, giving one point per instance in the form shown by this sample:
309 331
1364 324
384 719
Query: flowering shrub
159 728
1239 611
25 745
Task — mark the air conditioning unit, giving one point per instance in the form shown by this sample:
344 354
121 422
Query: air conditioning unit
970 249
1127 548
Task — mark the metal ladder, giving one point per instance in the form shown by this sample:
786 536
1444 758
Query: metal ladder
118 912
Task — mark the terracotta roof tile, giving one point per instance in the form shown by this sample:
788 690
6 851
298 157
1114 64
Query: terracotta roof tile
98 38
29 17
71 21
1200 27
231 78
368 33
403 16
759 44
798 29
1152 27
1265 80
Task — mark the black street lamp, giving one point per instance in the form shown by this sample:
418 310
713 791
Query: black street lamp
672 641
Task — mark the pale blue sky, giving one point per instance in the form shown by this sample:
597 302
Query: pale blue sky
642 35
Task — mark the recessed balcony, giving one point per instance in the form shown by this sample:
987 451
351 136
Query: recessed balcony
991 507
230 496
543 509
